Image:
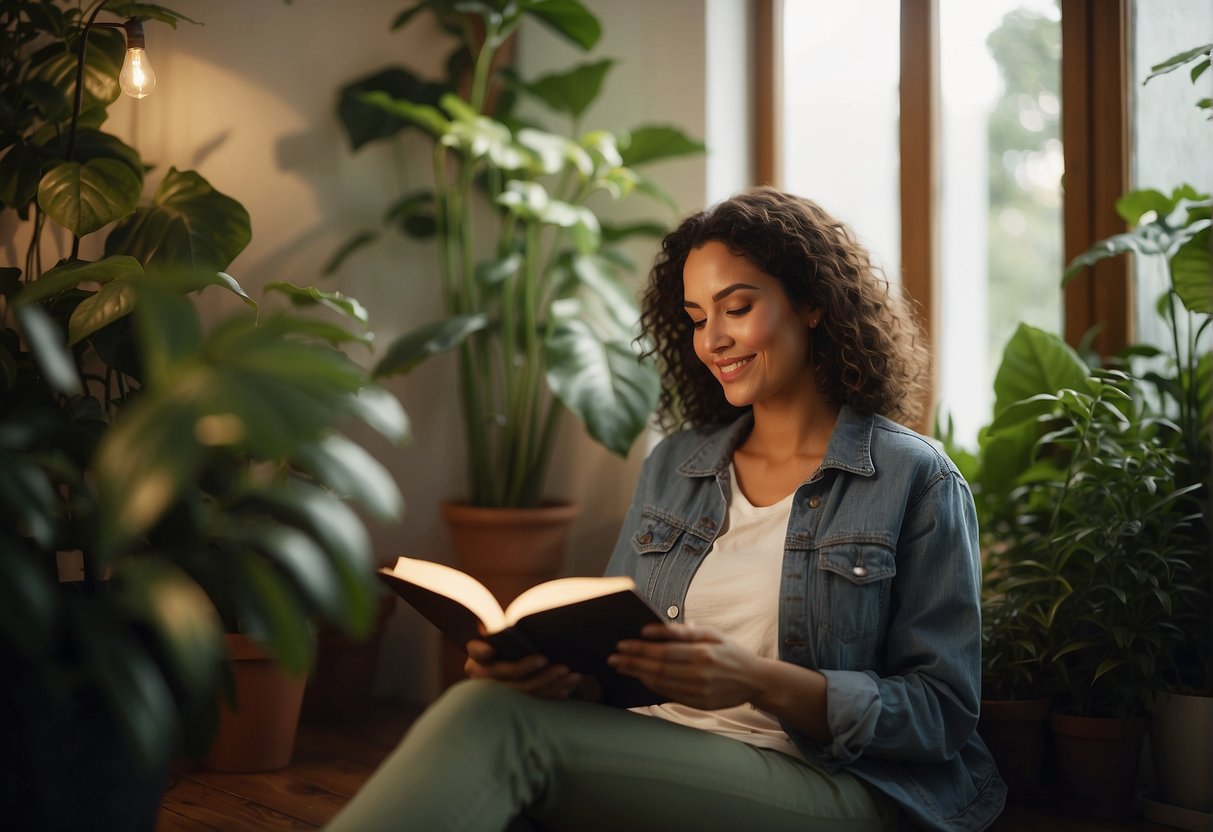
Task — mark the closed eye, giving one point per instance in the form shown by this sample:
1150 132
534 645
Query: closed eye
698 324
739 311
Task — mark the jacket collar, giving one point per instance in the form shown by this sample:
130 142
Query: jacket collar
850 447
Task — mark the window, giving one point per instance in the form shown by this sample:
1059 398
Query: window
981 229
1000 192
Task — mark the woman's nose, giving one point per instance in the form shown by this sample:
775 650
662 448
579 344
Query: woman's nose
716 336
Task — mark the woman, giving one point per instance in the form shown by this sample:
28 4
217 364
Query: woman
817 562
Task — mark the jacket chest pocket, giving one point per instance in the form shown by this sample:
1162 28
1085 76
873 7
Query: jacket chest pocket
854 581
654 539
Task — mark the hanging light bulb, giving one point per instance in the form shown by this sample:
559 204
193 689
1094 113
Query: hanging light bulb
136 78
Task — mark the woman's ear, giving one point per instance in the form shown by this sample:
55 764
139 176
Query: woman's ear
812 317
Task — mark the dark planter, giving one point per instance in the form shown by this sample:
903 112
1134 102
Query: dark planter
342 681
1014 731
258 732
1097 763
66 765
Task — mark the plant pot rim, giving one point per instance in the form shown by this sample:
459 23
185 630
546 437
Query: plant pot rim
550 511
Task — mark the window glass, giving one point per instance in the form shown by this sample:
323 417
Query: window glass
1000 203
1171 139
839 141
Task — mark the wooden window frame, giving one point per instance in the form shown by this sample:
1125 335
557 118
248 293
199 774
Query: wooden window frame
1095 140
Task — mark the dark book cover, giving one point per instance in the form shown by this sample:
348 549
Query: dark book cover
580 635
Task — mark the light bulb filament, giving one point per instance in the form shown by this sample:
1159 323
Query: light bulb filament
136 78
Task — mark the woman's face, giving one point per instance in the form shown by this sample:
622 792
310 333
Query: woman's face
746 330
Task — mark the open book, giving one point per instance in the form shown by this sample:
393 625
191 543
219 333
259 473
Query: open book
572 621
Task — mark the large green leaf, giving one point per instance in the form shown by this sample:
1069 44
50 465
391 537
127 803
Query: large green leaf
178 613
94 144
56 65
112 301
169 331
568 18
604 384
270 613
412 348
72 274
1035 361
189 226
145 459
597 274
20 172
86 197
366 122
350 471
1192 274
655 142
572 91
132 684
382 411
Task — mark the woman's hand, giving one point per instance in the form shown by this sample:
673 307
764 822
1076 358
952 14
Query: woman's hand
533 674
696 666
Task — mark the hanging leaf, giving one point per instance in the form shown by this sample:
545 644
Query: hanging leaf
1192 274
606 385
572 91
86 197
311 296
656 142
189 226
112 301
56 67
412 348
567 18
426 116
146 11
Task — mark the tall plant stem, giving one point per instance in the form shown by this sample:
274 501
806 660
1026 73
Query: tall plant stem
527 401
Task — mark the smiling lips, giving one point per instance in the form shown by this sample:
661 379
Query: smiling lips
730 367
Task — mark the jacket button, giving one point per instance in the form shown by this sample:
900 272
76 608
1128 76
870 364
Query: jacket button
859 571
672 611
814 501
645 539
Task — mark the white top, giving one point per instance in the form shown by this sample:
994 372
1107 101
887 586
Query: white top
736 591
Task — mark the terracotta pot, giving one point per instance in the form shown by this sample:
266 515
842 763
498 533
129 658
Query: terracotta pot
1014 731
508 550
342 681
1097 763
1180 732
259 733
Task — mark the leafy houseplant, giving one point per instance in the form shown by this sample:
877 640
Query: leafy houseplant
195 476
533 298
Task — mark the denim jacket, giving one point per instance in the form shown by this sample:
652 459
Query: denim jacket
880 593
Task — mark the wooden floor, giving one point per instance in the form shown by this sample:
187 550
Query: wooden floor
333 760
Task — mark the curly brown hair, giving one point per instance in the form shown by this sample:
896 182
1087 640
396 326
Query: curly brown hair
868 351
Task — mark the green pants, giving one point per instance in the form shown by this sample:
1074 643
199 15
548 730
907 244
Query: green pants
485 757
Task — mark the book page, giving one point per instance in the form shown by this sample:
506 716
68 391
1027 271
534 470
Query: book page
562 592
456 585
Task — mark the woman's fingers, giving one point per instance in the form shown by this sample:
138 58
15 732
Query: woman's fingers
533 674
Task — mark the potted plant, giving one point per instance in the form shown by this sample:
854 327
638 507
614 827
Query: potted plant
1174 230
1020 587
156 480
533 298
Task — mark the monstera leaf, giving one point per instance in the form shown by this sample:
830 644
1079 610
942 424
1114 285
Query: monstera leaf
189 225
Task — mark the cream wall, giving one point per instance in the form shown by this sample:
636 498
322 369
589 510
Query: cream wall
247 100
